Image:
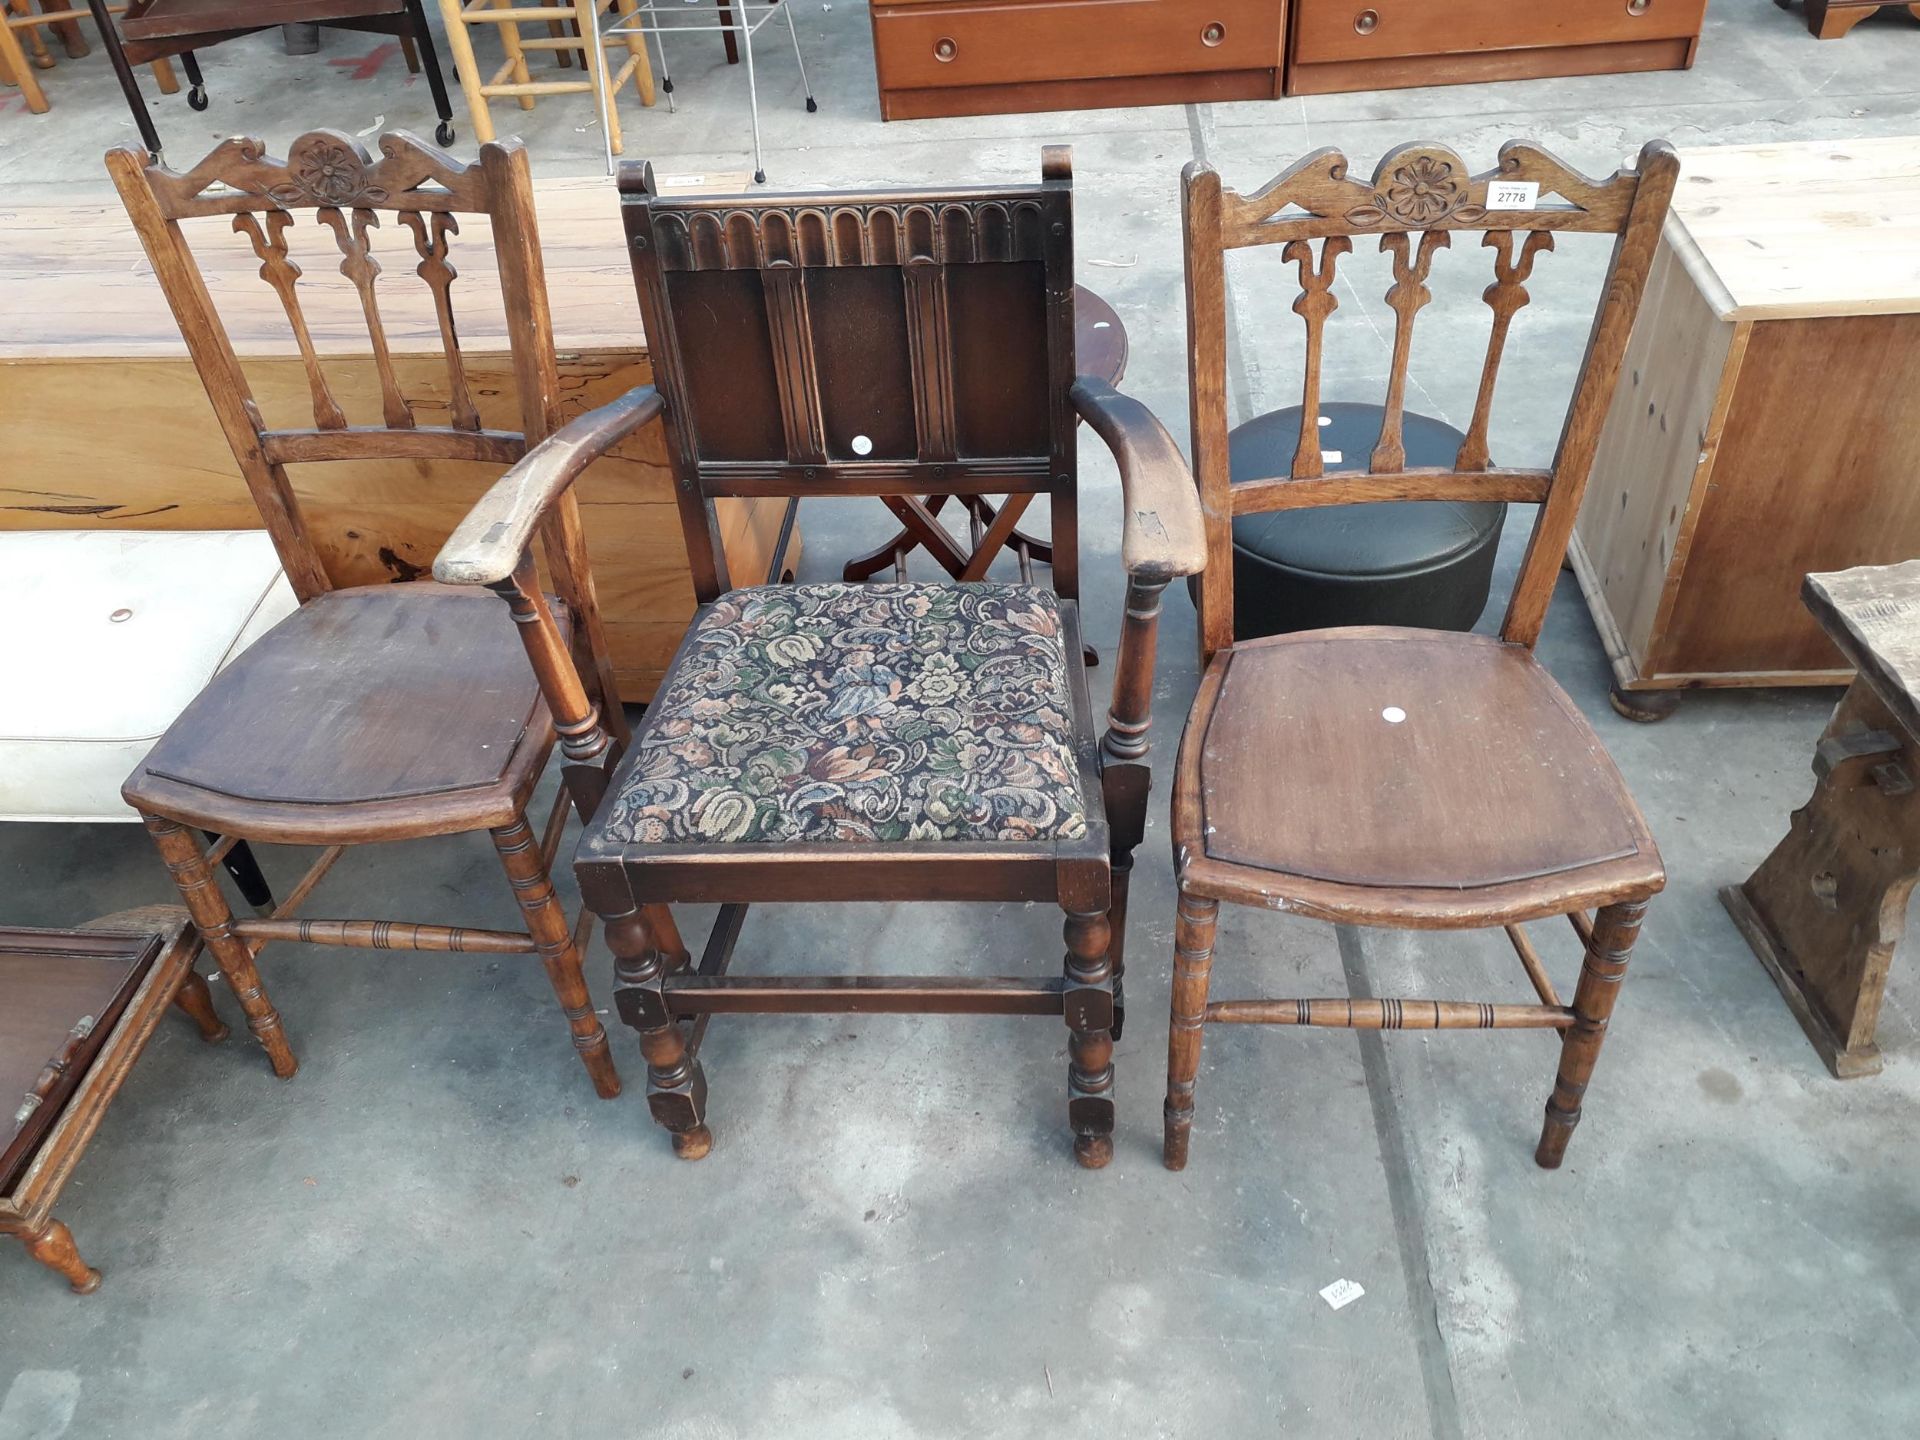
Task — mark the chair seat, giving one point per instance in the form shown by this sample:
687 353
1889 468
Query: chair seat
382 711
117 631
849 713
1381 775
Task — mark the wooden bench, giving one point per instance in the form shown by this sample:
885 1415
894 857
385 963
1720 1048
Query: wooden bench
1826 908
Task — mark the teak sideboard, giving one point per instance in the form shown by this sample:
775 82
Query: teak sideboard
1764 426
104 424
992 57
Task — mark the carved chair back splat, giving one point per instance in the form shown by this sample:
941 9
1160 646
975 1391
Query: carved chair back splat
870 742
1381 776
384 712
1419 196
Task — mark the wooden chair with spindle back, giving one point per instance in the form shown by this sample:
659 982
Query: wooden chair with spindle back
383 712
898 741
1383 776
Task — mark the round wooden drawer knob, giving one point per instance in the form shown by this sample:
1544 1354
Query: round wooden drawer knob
1366 21
944 50
1213 34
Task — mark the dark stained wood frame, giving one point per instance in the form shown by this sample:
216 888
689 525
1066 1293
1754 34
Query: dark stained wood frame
925 236
1428 190
26 1210
330 178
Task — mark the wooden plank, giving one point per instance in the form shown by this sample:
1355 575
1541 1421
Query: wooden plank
1805 228
1658 442
1872 613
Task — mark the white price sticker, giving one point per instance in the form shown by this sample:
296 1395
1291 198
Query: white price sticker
1330 457
1513 194
1341 1293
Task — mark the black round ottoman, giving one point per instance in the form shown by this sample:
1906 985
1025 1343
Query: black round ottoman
1426 563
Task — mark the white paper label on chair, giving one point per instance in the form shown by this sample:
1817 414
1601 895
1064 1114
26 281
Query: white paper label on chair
1513 195
1330 457
1341 1293
862 445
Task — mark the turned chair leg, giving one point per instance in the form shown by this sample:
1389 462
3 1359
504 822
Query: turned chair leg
1117 940
547 923
1192 969
52 1245
676 1085
1614 930
196 1000
1088 996
207 904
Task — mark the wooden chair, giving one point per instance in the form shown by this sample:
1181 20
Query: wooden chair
869 742
513 78
18 17
1373 775
156 29
386 712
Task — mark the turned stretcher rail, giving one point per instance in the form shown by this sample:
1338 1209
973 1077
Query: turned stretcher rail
1390 1014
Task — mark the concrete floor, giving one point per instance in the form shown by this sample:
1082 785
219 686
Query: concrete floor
437 1230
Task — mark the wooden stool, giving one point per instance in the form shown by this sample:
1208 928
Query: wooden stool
513 77
1825 909
81 1006
14 67
1830 19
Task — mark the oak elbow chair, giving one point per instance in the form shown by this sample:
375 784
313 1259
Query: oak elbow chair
894 741
1383 776
384 712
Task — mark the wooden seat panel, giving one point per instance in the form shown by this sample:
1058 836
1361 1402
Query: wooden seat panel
1407 759
379 694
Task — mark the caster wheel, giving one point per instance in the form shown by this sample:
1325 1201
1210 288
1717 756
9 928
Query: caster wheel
759 177
813 105
1645 707
197 97
445 133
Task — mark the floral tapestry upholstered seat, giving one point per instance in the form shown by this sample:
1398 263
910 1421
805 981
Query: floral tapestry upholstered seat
888 712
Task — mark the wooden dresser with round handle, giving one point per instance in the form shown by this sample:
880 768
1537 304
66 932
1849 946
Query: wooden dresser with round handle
992 57
1392 44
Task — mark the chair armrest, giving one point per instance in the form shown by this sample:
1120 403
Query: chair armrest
488 543
1164 534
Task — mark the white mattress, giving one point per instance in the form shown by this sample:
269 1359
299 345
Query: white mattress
108 634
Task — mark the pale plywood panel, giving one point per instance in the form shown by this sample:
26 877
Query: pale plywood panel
1659 441
164 447
1807 228
78 284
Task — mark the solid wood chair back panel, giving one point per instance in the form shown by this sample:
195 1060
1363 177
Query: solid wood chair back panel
1418 196
884 344
998 319
863 362
730 380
